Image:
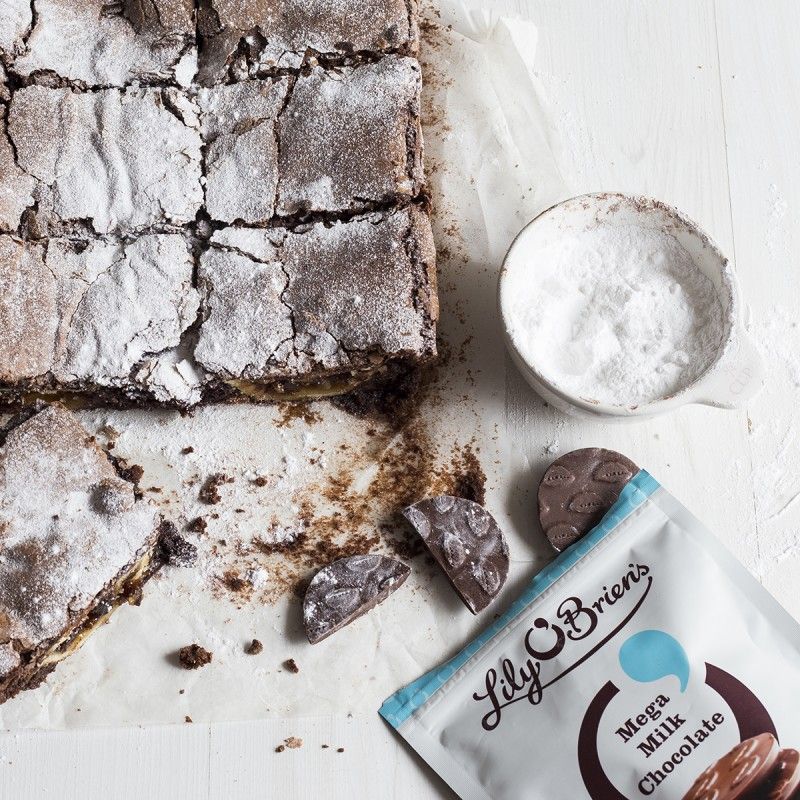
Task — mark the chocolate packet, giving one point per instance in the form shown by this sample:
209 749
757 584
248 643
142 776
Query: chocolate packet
635 662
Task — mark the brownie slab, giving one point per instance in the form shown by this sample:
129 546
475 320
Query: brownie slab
107 161
281 307
330 141
100 43
97 316
76 543
240 40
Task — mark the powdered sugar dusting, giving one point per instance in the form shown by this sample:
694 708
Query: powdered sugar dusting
371 107
60 547
143 170
619 314
82 41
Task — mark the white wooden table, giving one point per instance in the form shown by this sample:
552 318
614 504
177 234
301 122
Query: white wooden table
696 102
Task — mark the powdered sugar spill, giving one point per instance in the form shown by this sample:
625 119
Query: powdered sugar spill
618 314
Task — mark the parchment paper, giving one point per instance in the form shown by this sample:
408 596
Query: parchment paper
330 477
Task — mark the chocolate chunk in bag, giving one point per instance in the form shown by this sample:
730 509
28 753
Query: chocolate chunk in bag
347 589
741 774
468 544
578 489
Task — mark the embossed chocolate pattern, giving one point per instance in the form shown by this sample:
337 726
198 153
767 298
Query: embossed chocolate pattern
347 589
742 774
578 489
466 541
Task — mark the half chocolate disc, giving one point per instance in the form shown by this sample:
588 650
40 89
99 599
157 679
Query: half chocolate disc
347 589
466 541
578 489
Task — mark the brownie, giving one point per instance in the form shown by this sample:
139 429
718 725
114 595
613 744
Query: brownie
239 131
126 189
76 543
350 137
282 307
107 161
323 142
97 316
256 38
97 43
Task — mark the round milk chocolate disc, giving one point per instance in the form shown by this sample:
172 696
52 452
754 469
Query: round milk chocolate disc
467 543
578 489
347 589
742 774
785 778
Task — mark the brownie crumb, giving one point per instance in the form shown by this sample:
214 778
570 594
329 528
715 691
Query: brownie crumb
261 480
293 742
187 718
197 525
209 491
254 648
290 665
134 473
193 656
173 549
325 746
280 748
181 691
187 450
340 749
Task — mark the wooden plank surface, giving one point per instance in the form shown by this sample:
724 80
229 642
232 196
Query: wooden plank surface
698 103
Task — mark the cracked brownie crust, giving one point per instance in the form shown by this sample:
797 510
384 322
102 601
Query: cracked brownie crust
168 242
253 39
74 546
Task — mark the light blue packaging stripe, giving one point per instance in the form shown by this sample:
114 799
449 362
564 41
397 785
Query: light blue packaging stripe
402 704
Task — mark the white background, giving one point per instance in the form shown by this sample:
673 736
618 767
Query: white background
696 102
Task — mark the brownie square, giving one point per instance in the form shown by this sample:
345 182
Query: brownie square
109 161
351 137
98 43
240 40
97 316
238 125
76 543
282 307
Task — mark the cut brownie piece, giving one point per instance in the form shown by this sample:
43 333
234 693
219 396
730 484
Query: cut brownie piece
351 137
335 303
107 161
329 141
238 125
101 43
89 316
253 39
76 543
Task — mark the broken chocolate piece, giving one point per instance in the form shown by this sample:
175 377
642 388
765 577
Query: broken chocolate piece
347 589
193 656
578 489
468 544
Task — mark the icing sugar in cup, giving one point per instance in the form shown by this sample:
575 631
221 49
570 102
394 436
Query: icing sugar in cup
621 306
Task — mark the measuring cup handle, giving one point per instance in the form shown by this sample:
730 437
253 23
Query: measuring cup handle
737 378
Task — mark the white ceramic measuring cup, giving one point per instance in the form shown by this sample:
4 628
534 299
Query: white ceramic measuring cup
736 372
